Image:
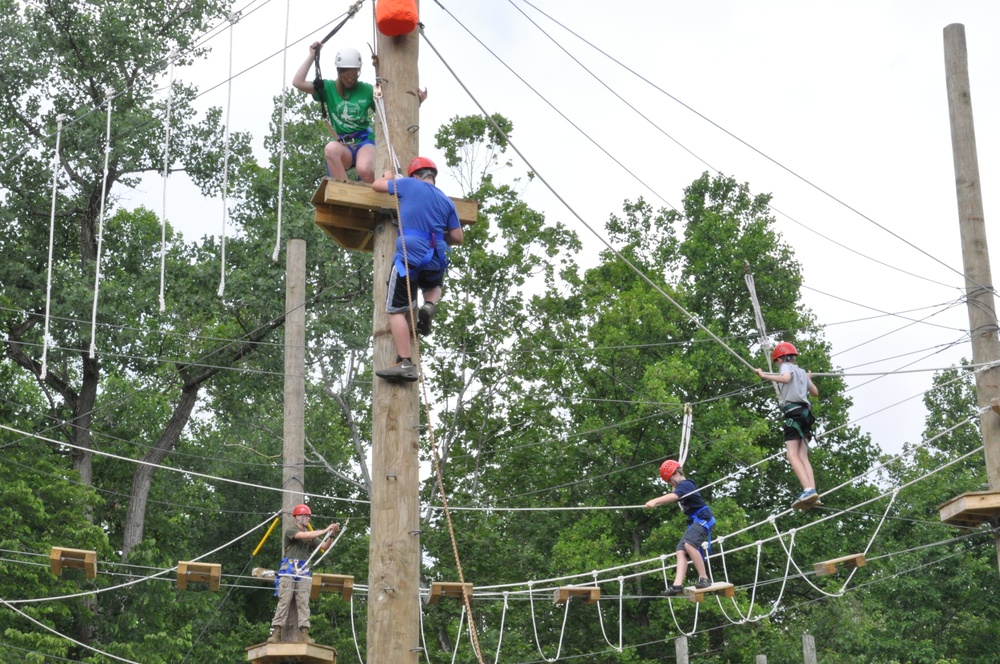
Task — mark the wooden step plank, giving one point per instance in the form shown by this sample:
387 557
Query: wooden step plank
332 583
441 589
288 653
830 566
591 593
61 557
698 594
197 572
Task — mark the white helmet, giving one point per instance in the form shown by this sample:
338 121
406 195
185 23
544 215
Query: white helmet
348 58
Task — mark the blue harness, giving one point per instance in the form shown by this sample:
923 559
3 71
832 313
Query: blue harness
290 567
707 525
438 249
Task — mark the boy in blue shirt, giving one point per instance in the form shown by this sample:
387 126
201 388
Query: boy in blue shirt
699 530
429 224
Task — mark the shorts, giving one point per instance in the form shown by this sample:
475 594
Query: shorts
797 422
696 534
396 301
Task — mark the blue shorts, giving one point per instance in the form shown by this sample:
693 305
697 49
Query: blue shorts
397 301
354 148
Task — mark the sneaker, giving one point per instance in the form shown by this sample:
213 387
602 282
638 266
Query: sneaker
403 370
424 316
702 583
672 591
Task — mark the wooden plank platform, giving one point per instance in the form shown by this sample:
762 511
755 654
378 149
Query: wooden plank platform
441 589
61 557
830 566
346 211
210 573
564 594
971 509
291 653
698 594
332 583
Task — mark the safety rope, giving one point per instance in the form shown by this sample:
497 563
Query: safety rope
686 428
281 132
52 235
600 617
100 227
233 18
763 339
354 633
503 619
458 635
534 626
166 172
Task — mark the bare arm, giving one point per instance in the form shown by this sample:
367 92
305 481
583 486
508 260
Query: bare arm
777 378
662 500
813 390
314 534
299 81
454 236
382 184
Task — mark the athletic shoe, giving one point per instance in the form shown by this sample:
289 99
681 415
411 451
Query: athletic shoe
702 583
672 591
404 370
424 316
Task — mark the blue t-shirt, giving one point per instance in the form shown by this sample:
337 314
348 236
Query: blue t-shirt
426 215
690 500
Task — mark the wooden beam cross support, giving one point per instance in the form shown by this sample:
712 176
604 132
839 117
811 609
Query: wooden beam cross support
565 593
61 557
210 573
291 653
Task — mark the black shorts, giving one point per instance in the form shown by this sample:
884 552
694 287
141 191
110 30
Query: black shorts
397 302
696 534
797 422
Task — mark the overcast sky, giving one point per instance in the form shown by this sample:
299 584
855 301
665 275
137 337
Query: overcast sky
847 96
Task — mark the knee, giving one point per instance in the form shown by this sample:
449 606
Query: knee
366 172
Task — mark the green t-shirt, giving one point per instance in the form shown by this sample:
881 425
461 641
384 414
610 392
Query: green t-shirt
297 549
352 114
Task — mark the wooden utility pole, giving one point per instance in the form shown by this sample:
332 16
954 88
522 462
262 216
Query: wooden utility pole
808 649
975 254
394 551
681 649
293 475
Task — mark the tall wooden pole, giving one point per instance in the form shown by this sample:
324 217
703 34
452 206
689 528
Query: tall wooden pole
975 253
394 551
293 475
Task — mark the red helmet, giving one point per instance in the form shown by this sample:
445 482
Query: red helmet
782 349
419 163
668 468
301 509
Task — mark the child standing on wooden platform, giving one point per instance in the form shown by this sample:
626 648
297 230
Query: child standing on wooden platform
699 530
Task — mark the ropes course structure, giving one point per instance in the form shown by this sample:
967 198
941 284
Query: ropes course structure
531 589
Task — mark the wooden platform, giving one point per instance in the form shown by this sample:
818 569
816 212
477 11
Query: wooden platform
332 583
346 211
210 573
61 557
441 589
698 594
830 566
291 653
591 593
971 509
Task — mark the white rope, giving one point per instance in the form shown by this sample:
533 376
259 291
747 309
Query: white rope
673 614
52 235
503 619
534 626
145 578
380 108
100 228
600 617
281 139
763 339
354 632
685 434
423 637
63 636
233 18
166 173
458 635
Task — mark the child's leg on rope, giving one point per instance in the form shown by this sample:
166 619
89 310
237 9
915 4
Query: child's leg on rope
338 160
798 455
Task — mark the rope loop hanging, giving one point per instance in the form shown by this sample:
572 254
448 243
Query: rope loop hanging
281 137
100 225
52 235
233 18
166 172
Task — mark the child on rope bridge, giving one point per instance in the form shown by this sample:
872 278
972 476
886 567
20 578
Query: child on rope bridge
699 530
795 388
